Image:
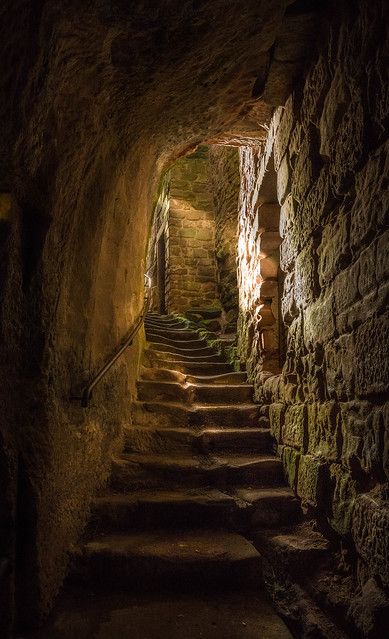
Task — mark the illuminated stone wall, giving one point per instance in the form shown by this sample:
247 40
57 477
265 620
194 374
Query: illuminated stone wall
224 184
192 276
328 408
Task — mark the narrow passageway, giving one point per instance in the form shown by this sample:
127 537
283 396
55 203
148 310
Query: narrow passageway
206 455
196 479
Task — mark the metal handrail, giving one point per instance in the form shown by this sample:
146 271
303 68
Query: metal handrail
86 391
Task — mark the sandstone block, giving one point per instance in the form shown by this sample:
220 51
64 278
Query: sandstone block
306 168
294 432
372 346
324 430
288 304
283 132
343 494
385 419
315 90
382 258
317 204
349 144
334 104
370 526
312 480
319 322
290 460
367 269
305 284
362 437
289 249
283 180
287 215
276 418
370 610
370 207
341 361
334 249
345 288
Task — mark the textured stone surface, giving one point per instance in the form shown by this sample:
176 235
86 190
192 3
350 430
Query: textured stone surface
331 156
99 98
191 264
370 527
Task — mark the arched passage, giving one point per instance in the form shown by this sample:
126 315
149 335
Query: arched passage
99 100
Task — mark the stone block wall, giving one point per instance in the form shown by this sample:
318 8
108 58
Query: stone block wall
224 184
191 267
258 259
328 410
159 227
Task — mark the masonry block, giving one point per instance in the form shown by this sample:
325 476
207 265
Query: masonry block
372 346
324 430
341 361
319 321
290 460
276 418
334 249
343 492
294 432
370 525
312 480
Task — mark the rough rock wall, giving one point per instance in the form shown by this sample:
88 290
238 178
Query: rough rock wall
192 277
97 99
224 185
258 262
328 408
159 227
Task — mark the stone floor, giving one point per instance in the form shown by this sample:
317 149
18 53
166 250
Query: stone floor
224 615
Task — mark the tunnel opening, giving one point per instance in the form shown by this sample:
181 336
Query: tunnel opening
250 416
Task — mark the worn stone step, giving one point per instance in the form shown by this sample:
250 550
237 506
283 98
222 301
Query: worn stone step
171 559
233 378
164 323
194 393
298 548
201 507
270 507
177 335
244 509
155 355
183 345
172 375
147 470
188 368
236 440
187 350
170 414
209 441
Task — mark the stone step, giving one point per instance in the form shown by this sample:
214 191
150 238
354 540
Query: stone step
147 470
178 334
165 323
172 375
243 509
193 351
202 507
209 441
194 368
170 414
299 548
269 507
194 393
156 356
182 345
233 378
181 560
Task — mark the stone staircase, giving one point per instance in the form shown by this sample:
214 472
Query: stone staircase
196 478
